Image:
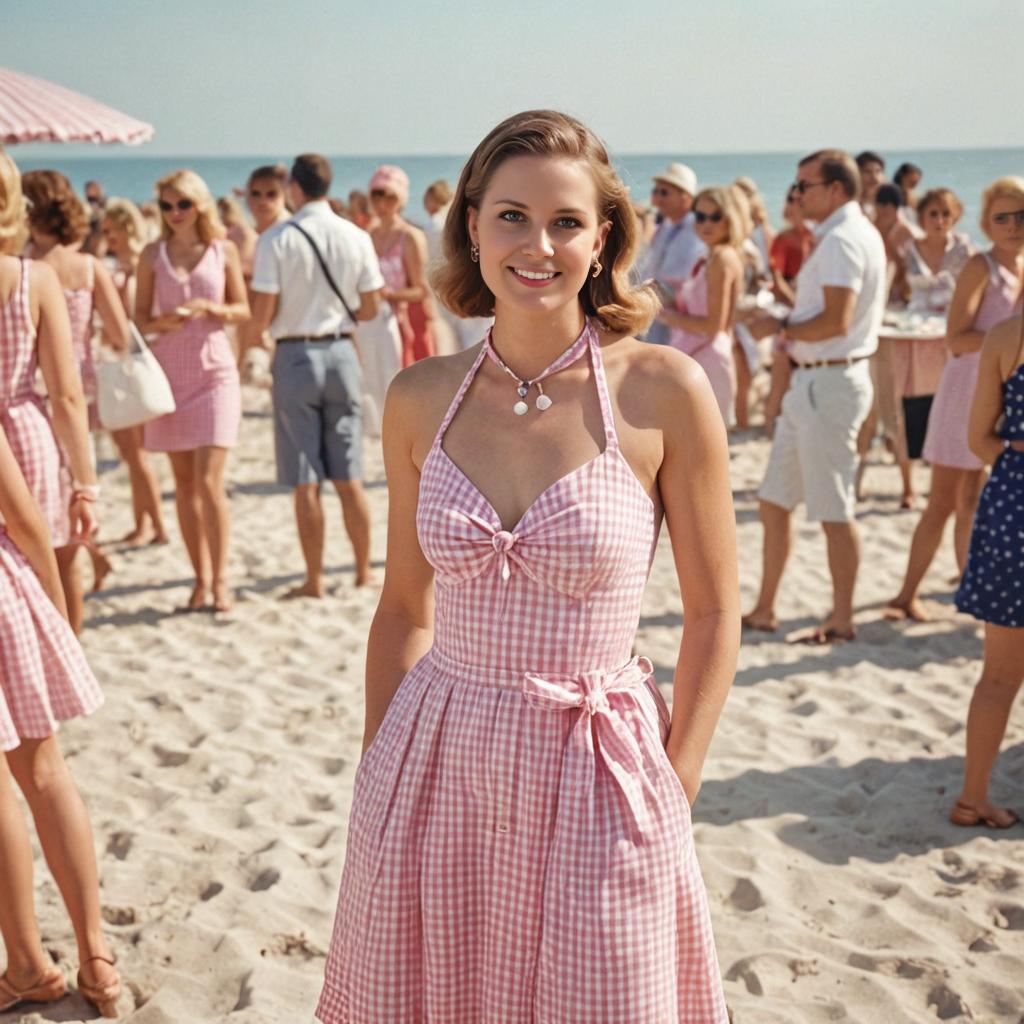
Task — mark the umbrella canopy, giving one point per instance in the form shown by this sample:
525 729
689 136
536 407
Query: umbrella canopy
34 110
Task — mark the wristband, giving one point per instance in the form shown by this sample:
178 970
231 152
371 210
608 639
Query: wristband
90 492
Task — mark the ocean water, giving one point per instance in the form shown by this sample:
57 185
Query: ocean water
966 171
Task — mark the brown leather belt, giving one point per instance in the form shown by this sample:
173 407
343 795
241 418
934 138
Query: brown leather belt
337 336
826 362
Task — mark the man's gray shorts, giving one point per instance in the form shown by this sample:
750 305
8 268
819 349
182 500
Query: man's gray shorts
318 409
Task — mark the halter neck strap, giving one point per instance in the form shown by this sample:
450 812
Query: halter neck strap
567 358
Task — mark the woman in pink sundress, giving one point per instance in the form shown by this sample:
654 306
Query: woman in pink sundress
190 285
987 292
522 808
58 223
705 315
50 443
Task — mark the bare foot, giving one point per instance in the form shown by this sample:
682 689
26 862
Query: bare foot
828 633
223 599
898 609
307 589
159 540
908 501
982 815
760 623
197 599
101 568
367 579
136 537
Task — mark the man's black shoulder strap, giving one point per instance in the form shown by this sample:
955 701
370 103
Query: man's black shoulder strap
323 267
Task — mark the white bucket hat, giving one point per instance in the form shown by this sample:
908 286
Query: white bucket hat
679 175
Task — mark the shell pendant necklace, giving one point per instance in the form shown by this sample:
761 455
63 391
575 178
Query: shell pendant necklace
543 402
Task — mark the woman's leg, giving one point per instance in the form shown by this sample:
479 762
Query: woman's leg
26 960
145 488
210 464
942 501
190 521
1001 676
71 581
971 483
744 382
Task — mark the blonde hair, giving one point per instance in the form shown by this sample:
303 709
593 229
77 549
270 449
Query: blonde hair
191 186
230 211
1010 186
13 224
126 217
611 297
733 203
758 210
440 191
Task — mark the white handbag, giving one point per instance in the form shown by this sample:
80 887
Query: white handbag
134 388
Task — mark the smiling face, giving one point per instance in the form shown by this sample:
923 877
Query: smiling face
538 230
179 210
712 227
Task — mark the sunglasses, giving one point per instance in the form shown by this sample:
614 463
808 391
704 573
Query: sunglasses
181 205
270 193
1006 218
715 218
380 193
800 187
660 190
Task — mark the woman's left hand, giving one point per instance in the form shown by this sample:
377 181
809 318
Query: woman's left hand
200 307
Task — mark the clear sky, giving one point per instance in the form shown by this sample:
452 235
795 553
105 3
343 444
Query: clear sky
432 76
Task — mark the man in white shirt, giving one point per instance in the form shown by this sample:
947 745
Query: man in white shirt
314 277
675 247
832 332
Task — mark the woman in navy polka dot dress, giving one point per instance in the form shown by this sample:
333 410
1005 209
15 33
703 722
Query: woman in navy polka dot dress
992 588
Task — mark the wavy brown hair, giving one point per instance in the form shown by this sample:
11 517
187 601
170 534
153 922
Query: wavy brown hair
611 297
54 208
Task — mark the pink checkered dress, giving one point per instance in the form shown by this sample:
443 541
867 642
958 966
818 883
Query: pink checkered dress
24 417
80 303
198 360
519 846
44 677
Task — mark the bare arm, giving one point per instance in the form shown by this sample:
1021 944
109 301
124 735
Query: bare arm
25 525
264 309
64 386
108 304
961 337
832 321
369 305
402 629
998 359
144 319
724 273
694 485
235 307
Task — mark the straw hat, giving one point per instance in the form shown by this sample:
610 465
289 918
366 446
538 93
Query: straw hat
681 176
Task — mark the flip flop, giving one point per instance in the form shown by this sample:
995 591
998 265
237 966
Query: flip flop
823 637
47 988
966 816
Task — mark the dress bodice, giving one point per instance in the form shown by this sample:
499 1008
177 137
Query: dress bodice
561 590
931 291
173 287
392 267
1002 296
18 359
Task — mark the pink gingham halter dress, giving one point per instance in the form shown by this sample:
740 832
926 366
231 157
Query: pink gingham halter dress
23 413
519 847
80 303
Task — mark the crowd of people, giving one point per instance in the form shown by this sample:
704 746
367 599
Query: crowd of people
537 245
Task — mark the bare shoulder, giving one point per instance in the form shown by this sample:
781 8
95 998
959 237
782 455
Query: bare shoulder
975 269
658 375
1003 342
422 392
42 276
148 255
725 257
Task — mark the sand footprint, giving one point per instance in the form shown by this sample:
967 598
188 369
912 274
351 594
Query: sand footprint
746 896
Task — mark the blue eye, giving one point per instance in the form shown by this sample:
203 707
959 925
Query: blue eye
509 216
568 222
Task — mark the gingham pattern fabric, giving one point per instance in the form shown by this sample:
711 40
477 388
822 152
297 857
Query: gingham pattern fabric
44 677
197 359
80 306
24 417
519 847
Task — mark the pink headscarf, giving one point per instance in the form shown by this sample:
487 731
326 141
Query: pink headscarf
391 179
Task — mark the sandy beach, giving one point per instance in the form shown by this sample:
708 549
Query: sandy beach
219 778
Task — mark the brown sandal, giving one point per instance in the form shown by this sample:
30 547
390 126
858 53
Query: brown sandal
967 816
47 988
103 997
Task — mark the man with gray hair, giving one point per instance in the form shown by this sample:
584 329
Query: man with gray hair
830 334
675 248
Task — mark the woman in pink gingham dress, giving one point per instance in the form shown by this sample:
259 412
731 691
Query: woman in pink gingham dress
190 285
520 847
988 291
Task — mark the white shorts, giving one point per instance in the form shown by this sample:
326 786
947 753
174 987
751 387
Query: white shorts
814 452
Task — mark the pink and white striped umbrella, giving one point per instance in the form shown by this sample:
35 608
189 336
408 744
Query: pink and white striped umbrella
34 110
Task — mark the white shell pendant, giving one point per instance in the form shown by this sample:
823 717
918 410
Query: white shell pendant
543 402
520 408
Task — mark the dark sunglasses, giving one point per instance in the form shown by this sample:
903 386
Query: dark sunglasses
660 190
270 193
182 205
800 187
715 218
380 193
1005 218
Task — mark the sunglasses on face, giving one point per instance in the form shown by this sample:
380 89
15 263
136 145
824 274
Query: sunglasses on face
255 193
379 193
715 218
181 205
660 190
800 187
1006 218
